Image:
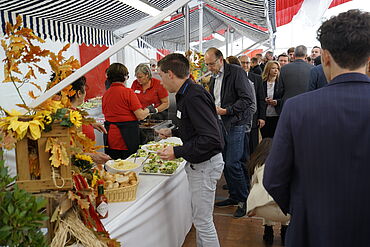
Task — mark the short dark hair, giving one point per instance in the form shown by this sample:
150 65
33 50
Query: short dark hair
233 60
347 38
117 72
315 47
254 60
78 85
177 63
283 55
291 49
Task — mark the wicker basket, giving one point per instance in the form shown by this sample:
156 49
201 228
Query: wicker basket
123 194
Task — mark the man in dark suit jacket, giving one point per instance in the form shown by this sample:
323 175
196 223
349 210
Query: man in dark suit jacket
318 168
234 100
294 77
260 116
317 78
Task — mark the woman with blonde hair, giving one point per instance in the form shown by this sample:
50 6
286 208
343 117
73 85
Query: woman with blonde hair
270 78
259 202
150 91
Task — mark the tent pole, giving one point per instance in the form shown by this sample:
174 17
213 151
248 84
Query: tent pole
109 52
150 46
138 51
187 27
227 41
231 41
200 27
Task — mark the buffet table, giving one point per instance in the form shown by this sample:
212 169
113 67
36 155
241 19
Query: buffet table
160 215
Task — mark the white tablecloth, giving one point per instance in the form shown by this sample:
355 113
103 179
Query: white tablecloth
160 215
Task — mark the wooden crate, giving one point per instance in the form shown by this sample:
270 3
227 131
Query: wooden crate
44 181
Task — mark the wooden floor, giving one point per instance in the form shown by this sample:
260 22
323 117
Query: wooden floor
235 232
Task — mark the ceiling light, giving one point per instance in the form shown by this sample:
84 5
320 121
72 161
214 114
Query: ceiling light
143 7
218 36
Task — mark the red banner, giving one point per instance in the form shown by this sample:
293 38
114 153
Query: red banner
95 78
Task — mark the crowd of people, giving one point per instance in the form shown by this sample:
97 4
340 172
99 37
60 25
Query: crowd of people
307 169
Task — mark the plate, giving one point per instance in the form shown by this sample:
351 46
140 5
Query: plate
153 147
174 140
157 166
110 168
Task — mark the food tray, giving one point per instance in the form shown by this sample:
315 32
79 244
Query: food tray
122 194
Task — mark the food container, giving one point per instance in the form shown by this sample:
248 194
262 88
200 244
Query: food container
122 194
148 128
111 165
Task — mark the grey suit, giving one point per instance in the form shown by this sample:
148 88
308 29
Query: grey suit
293 80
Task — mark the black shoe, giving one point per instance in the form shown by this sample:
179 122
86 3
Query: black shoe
268 235
225 187
241 210
282 233
226 203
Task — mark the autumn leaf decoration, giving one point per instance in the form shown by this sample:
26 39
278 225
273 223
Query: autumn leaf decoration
59 155
19 48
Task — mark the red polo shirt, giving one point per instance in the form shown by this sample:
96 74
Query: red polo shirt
152 95
119 104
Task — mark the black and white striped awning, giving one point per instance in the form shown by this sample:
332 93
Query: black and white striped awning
81 21
93 22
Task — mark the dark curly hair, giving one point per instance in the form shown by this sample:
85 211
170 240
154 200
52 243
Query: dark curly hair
347 38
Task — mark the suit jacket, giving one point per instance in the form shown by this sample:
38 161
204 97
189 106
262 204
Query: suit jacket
319 164
293 80
236 96
317 78
256 69
260 98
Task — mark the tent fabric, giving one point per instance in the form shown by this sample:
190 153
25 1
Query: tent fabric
93 22
285 10
88 21
170 35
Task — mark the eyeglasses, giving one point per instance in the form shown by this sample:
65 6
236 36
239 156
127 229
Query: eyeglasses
212 64
245 62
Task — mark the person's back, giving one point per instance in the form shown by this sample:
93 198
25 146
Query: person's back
295 77
318 168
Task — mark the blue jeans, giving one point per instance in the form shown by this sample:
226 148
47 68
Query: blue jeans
234 170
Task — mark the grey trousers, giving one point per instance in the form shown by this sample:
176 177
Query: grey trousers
202 179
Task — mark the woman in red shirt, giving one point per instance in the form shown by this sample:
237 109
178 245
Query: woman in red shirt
122 110
77 99
150 91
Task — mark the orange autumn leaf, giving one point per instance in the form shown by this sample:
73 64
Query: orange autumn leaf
65 48
31 94
41 70
8 28
8 140
37 86
30 73
18 23
83 203
23 106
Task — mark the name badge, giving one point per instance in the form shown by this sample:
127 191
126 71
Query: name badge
137 91
178 115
